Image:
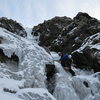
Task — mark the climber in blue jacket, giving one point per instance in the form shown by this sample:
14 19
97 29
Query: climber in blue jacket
66 63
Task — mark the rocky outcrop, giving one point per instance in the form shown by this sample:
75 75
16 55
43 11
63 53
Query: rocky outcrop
12 26
50 30
88 55
66 34
74 34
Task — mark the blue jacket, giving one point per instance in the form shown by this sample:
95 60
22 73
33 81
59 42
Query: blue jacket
64 57
65 61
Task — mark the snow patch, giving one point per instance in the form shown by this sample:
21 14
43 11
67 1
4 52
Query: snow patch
35 94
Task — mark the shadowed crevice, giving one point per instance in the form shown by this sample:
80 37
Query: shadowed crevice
50 73
11 62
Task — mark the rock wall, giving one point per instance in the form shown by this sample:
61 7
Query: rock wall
88 55
66 34
12 26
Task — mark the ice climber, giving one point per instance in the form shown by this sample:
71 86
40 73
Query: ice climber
66 63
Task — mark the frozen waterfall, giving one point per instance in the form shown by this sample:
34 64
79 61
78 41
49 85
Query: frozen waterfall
23 65
30 37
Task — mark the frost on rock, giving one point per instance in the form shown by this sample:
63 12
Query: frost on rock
72 32
35 94
88 55
92 41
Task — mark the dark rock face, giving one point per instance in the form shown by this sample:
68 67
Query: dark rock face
88 55
12 26
67 35
50 73
74 34
50 30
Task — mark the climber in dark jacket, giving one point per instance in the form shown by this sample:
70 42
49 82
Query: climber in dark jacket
66 63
